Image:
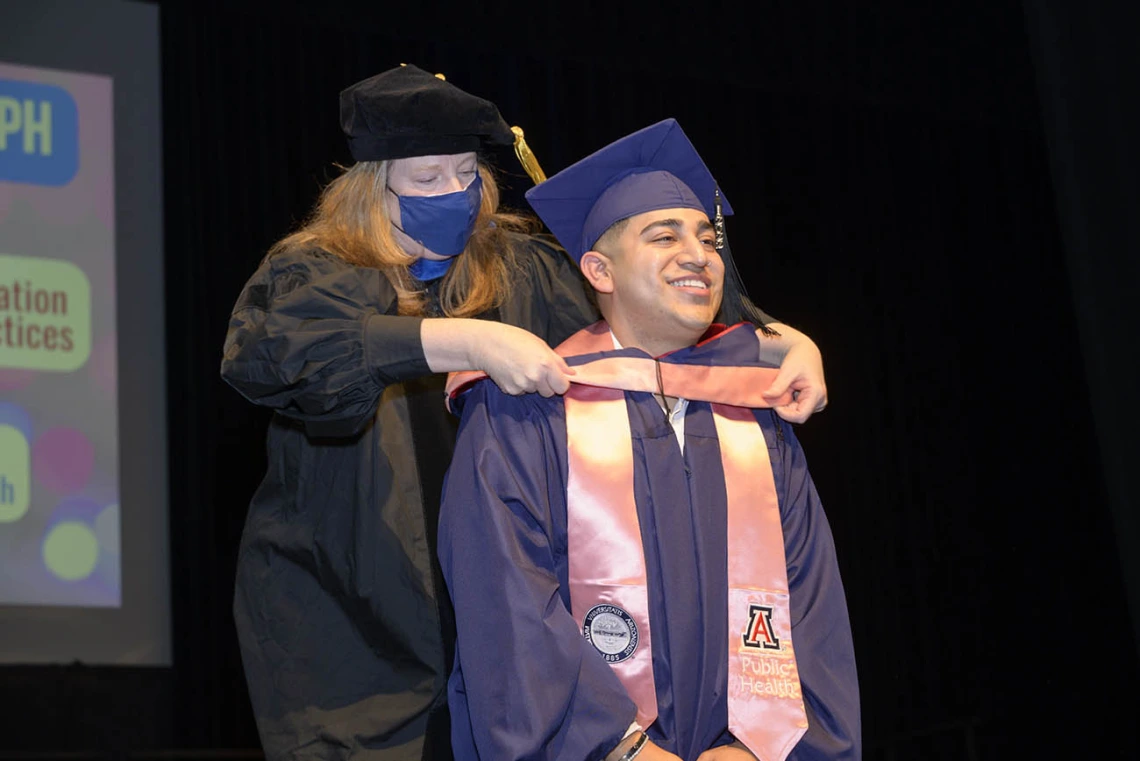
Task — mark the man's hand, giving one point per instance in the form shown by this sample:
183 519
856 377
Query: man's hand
734 752
653 752
801 372
648 752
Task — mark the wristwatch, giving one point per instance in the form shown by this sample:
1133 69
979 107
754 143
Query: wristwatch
634 749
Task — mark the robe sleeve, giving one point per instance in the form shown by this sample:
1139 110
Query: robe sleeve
317 339
526 684
821 630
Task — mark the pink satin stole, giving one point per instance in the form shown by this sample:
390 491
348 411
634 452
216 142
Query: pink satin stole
765 705
738 386
607 560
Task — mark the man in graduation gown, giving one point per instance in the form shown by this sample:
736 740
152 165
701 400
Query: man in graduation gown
643 567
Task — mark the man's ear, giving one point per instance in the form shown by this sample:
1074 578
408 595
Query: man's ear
598 269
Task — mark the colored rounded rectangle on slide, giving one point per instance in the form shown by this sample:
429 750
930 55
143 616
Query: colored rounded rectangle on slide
39 133
45 314
15 474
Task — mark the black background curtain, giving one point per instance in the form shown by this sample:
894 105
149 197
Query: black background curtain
891 170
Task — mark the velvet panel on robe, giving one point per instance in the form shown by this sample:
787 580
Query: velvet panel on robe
526 684
344 623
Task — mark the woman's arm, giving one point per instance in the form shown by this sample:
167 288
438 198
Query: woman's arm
317 340
801 370
517 361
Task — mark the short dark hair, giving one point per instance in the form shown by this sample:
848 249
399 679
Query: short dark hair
609 238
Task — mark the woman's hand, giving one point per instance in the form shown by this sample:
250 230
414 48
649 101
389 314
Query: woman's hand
801 372
518 361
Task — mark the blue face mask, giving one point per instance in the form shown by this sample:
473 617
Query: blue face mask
442 224
430 269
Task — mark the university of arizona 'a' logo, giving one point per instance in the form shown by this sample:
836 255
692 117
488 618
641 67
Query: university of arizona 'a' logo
760 635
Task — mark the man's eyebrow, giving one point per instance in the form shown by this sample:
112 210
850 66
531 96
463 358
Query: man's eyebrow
676 224
703 226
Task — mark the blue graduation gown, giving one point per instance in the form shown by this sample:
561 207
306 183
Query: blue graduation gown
526 684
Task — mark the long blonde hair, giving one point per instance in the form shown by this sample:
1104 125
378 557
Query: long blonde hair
351 221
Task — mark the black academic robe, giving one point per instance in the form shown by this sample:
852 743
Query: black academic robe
344 623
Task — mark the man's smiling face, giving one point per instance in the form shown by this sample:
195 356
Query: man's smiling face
663 279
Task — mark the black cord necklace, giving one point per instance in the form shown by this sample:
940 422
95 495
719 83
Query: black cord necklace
661 389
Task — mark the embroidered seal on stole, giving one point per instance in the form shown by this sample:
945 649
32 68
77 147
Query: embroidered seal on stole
611 631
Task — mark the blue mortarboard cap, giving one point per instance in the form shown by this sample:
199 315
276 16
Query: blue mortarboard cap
654 168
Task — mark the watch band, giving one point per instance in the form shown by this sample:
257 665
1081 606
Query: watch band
634 749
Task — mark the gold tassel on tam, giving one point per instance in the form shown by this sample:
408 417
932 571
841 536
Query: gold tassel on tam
526 158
